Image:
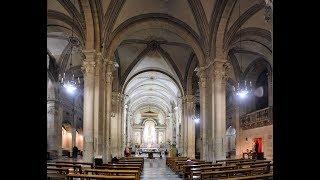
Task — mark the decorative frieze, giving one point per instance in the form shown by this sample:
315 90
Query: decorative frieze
257 119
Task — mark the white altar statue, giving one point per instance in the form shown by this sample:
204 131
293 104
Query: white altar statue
149 135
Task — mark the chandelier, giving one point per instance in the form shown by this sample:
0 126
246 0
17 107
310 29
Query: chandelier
243 89
67 80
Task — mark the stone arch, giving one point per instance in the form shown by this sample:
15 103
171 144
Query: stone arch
249 33
156 70
54 15
166 56
252 65
155 21
190 72
218 31
89 25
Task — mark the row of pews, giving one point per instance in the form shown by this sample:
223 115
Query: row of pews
221 169
125 169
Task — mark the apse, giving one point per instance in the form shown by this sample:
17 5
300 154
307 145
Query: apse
152 97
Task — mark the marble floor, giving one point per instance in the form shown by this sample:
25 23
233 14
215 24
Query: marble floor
157 169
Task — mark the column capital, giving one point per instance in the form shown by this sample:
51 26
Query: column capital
202 77
99 63
108 78
189 98
89 54
116 96
88 66
221 70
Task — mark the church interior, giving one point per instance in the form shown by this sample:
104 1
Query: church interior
159 89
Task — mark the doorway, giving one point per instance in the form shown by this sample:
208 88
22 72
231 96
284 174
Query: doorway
258 145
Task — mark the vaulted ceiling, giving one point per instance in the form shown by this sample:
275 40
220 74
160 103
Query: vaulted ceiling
208 25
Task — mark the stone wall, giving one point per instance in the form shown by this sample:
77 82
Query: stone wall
246 140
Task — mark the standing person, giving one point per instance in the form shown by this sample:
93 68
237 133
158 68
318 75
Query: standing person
256 147
75 152
127 152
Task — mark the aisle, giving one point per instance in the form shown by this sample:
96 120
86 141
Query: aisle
157 169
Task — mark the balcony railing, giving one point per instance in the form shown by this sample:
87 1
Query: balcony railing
262 117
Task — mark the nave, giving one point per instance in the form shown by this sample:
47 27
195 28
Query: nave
161 168
182 78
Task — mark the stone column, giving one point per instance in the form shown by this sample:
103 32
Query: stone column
203 119
125 125
270 89
54 131
98 105
184 123
179 126
238 130
191 134
108 109
219 92
115 124
88 100
119 121
74 128
73 135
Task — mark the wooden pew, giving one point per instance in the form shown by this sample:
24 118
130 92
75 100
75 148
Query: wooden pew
59 170
75 162
262 168
253 162
114 167
132 158
226 173
57 173
196 172
171 160
129 162
76 167
185 170
179 166
260 176
126 165
234 161
111 172
89 176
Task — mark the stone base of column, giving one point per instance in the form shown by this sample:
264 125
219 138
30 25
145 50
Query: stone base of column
220 152
191 152
88 155
107 155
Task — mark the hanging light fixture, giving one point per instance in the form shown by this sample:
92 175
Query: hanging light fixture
67 80
243 88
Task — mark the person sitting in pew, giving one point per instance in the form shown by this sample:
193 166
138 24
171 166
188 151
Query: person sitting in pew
189 162
115 160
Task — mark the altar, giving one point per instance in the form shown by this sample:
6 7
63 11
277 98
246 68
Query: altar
149 152
146 150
